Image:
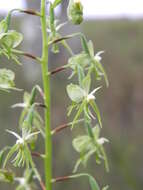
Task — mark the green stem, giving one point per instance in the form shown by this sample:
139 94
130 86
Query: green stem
46 84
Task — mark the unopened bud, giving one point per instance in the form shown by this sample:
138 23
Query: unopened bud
75 11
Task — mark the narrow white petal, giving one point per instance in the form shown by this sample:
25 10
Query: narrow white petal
32 134
95 90
13 133
20 105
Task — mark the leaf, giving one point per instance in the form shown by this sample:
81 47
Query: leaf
6 79
100 67
93 183
15 58
86 83
2 153
10 153
75 93
84 44
81 75
3 26
96 110
80 110
56 3
91 48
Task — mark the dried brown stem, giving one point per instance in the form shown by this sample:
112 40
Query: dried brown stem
60 128
59 69
64 126
59 179
31 12
42 185
36 154
30 56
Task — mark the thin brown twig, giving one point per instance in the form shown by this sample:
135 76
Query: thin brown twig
42 185
60 128
31 12
59 179
36 154
59 69
64 126
30 56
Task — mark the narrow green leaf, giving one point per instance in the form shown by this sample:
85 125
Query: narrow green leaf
91 48
81 75
56 3
96 110
2 154
86 83
84 44
100 67
3 26
10 153
80 110
93 183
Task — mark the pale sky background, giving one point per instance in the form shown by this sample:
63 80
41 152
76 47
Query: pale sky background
94 8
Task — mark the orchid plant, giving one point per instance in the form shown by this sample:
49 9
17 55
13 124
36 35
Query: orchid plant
86 67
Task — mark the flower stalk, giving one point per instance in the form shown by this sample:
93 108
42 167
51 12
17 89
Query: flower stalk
46 84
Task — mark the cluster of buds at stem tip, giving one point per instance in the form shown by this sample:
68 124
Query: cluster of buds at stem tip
75 11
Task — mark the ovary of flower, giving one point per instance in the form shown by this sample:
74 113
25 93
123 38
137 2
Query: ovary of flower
97 57
91 95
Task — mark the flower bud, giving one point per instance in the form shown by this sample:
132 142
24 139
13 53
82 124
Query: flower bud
75 11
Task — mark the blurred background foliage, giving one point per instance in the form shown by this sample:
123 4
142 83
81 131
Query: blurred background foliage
121 104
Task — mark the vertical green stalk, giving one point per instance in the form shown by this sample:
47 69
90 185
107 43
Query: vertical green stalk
46 84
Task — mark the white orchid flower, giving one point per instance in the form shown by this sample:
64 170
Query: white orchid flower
102 140
97 56
22 140
91 96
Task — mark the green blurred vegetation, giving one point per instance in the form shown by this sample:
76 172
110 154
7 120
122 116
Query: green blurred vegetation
121 104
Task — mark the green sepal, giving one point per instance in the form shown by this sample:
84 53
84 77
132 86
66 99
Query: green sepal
56 3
